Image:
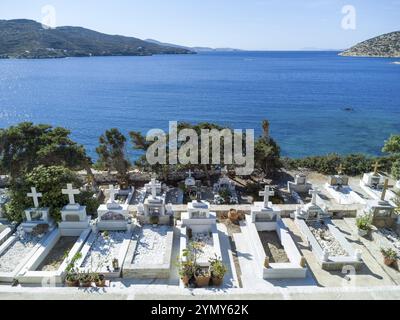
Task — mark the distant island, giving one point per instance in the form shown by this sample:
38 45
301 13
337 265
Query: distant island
195 49
27 39
386 45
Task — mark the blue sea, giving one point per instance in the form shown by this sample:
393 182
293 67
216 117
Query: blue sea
316 102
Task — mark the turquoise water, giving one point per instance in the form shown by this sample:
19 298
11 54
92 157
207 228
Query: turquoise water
303 94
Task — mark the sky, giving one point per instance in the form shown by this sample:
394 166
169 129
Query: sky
242 24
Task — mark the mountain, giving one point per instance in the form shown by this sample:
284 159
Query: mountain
28 39
386 45
196 49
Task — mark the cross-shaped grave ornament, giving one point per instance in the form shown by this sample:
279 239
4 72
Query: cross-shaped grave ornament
71 192
35 196
266 193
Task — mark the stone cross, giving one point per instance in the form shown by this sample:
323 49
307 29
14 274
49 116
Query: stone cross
113 192
376 167
340 169
71 193
385 187
266 193
189 173
314 193
153 186
35 195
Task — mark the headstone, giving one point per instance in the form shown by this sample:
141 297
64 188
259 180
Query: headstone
266 193
74 219
36 216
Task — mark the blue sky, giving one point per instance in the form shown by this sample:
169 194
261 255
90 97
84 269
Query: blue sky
245 24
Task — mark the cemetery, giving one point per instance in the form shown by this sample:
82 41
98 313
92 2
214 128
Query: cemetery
328 244
132 244
273 247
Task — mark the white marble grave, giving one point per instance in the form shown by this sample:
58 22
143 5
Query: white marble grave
299 185
113 215
328 244
265 217
198 224
74 219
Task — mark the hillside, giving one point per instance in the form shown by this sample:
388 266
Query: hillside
386 45
28 39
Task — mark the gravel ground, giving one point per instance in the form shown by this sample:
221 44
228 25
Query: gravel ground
272 247
151 245
326 239
56 256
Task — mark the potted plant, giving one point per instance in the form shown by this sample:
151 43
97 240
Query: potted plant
99 279
202 276
363 225
72 276
185 269
72 279
85 279
389 256
218 271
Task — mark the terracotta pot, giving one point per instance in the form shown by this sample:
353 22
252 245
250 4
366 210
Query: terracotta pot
388 261
185 280
217 281
233 215
202 281
74 283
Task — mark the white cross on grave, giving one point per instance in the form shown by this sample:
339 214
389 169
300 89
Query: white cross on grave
153 187
266 193
71 193
313 193
189 173
113 192
35 195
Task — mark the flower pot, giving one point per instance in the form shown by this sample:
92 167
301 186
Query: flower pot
101 281
185 280
362 232
388 261
202 281
217 281
72 283
233 215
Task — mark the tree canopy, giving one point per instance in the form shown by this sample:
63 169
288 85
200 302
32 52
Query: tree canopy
26 146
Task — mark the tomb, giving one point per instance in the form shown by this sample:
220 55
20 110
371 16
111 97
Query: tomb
107 245
225 185
190 181
49 262
328 244
382 213
199 225
374 184
149 254
300 184
73 215
37 216
154 210
30 236
114 215
274 250
339 189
